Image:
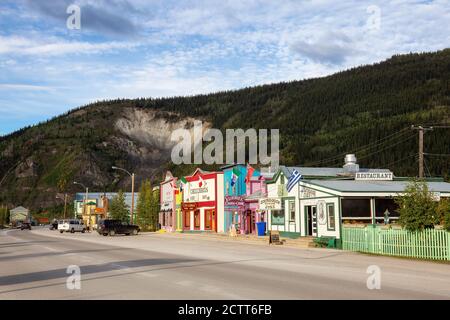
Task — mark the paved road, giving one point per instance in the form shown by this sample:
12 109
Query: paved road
33 265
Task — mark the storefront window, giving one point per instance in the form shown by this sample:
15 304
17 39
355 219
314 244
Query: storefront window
381 205
278 217
331 222
356 208
291 210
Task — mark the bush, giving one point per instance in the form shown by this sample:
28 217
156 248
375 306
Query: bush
417 208
443 210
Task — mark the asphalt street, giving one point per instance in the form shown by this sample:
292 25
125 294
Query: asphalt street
33 265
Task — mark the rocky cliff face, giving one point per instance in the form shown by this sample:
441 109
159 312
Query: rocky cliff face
136 139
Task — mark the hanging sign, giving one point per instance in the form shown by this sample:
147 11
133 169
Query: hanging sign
269 204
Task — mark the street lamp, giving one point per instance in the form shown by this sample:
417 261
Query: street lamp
132 189
65 203
85 201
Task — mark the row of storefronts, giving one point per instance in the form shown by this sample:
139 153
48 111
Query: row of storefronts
238 197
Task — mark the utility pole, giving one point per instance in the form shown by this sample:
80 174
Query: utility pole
132 175
421 130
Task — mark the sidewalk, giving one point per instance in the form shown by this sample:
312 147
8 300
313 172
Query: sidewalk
247 238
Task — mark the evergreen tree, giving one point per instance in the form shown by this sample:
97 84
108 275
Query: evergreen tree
146 207
3 213
417 208
118 208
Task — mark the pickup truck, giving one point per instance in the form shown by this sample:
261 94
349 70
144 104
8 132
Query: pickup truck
72 225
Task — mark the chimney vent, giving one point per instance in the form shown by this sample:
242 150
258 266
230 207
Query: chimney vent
350 165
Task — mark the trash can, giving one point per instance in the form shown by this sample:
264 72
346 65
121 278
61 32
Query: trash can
261 227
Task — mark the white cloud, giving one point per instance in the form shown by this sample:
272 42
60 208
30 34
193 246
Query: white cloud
204 46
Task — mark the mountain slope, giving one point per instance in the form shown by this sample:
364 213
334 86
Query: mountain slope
319 120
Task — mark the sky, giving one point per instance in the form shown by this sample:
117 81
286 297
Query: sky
50 63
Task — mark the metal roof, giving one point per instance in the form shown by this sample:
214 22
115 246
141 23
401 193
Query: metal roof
375 186
323 171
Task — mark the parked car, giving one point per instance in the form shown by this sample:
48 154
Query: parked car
113 227
25 225
72 225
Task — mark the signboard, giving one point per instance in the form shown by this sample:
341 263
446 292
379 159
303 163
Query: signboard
234 201
270 204
189 206
306 192
371 176
274 237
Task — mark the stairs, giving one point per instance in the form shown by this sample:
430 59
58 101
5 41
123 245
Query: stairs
302 242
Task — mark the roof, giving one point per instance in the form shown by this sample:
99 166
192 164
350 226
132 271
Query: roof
375 186
19 208
324 172
255 195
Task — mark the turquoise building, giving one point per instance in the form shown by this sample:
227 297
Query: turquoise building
235 193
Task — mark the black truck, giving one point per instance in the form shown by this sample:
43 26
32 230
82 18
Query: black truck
113 227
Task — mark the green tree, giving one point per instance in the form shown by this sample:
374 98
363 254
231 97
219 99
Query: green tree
147 207
417 208
3 216
443 210
118 208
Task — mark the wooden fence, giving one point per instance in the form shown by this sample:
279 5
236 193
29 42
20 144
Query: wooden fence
426 244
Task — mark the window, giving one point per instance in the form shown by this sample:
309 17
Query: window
291 207
356 208
381 205
331 222
278 217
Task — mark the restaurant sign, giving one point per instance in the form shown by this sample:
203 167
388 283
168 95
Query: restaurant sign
370 176
270 204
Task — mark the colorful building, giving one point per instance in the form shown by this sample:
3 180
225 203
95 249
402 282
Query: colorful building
168 192
243 187
203 202
325 198
96 207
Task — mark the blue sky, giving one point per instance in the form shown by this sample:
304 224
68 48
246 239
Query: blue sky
138 48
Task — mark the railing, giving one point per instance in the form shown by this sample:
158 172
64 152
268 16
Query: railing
427 244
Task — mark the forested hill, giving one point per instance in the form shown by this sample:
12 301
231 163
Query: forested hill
367 110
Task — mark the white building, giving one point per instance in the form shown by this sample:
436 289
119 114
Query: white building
327 197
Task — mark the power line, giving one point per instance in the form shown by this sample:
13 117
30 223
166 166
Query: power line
426 167
390 146
438 154
377 142
397 161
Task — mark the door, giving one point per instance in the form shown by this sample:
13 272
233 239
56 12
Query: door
187 220
214 220
208 219
311 220
197 220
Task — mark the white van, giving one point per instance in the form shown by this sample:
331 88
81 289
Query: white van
72 225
